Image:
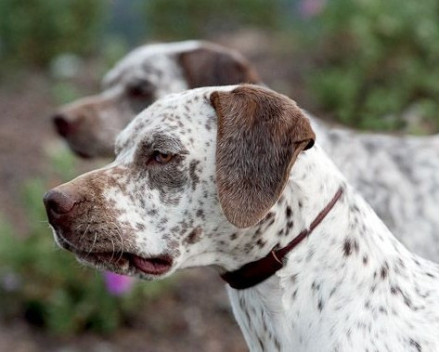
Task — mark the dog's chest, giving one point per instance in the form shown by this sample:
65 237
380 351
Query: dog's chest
261 316
339 293
313 316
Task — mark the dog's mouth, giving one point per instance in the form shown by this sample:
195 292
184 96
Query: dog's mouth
79 151
82 154
152 266
128 263
121 262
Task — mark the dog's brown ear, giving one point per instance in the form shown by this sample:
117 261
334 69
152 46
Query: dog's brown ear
214 66
260 134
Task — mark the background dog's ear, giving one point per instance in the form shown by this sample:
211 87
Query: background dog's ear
208 66
260 134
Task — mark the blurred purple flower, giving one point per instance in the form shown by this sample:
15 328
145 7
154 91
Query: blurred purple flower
311 8
118 285
10 281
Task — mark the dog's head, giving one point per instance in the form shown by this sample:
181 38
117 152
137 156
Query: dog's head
90 125
194 173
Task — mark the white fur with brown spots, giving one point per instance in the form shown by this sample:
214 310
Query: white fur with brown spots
397 175
168 202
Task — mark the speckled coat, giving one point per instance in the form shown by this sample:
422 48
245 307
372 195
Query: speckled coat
398 175
221 176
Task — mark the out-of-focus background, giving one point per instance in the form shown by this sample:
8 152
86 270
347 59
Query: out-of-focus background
369 64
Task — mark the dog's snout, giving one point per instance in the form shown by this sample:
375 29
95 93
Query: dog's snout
58 203
63 125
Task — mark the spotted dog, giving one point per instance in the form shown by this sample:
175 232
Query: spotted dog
397 175
229 177
90 125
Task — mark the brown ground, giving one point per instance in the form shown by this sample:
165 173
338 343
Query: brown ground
24 129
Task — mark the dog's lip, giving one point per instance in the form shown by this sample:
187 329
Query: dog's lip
155 266
81 153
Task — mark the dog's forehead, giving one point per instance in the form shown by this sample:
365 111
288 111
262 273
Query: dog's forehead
185 108
147 58
187 115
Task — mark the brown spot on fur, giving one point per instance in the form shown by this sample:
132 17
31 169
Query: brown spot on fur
194 236
383 272
195 179
320 305
140 227
261 243
200 213
347 247
415 344
152 212
356 246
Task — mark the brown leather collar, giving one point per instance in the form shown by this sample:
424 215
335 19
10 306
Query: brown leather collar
253 273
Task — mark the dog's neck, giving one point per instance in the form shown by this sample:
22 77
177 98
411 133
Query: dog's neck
313 183
320 265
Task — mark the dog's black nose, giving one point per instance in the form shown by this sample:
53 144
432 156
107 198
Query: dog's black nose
62 125
58 203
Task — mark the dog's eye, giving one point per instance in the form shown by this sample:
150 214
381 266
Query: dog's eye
162 158
140 89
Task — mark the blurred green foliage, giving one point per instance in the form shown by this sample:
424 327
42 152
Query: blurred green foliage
48 287
64 92
376 59
183 19
34 31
